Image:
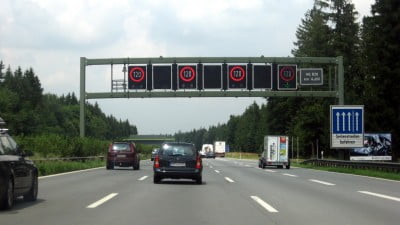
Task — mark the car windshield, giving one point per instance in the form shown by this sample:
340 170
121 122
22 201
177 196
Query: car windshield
177 150
120 147
7 145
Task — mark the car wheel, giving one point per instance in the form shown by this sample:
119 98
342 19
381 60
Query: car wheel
288 167
7 200
156 179
262 165
110 166
199 180
32 194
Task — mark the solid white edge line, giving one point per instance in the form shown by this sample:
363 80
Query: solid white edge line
101 201
265 205
217 171
229 179
290 175
380 195
143 178
322 182
72 172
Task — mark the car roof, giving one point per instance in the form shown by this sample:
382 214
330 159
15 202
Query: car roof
177 143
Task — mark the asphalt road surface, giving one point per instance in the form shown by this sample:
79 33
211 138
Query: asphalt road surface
234 192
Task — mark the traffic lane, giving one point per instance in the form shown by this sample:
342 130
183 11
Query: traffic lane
181 202
298 198
346 181
62 198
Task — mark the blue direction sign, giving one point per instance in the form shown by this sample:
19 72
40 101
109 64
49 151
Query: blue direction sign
347 126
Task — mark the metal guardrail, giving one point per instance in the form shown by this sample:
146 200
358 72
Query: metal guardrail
380 166
69 159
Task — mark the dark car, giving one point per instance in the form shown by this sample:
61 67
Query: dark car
123 154
18 175
154 153
178 160
210 155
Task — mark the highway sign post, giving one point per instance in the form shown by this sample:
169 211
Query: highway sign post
347 126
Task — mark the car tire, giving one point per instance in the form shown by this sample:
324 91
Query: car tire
262 164
136 166
7 199
288 167
199 180
110 166
32 194
156 179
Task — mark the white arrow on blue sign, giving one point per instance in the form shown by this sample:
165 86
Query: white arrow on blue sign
347 126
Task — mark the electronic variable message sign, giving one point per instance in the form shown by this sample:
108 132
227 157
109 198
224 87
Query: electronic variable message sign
137 77
262 76
162 76
187 76
237 76
212 76
287 75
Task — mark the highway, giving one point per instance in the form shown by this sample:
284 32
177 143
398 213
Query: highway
234 192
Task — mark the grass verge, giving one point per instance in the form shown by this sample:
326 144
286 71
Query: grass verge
243 155
54 167
363 172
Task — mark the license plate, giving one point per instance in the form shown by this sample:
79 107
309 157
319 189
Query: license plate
121 156
178 164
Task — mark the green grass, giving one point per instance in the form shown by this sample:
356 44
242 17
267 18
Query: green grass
363 172
243 155
54 167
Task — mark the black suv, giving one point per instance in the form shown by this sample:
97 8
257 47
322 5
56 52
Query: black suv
18 175
177 160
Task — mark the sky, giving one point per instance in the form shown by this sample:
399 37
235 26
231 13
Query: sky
50 36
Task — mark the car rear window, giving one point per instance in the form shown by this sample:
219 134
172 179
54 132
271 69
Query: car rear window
120 147
177 150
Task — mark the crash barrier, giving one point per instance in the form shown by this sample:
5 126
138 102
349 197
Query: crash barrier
82 159
380 166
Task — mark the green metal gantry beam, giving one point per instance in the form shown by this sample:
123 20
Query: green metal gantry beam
337 93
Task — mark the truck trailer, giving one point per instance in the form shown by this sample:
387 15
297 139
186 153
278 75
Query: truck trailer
219 148
276 152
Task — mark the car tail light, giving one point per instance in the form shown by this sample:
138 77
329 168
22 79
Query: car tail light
198 162
157 162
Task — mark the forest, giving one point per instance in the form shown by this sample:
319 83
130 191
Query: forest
370 50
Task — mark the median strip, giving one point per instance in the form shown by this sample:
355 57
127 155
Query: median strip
229 179
143 178
380 195
101 201
322 182
265 205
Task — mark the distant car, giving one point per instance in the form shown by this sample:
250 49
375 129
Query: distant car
123 154
178 160
154 153
210 155
18 175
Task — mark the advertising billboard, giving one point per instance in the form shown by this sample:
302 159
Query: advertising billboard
377 146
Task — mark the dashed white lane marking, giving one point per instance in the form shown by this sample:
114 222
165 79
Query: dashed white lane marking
271 171
217 171
265 205
143 178
229 179
322 182
290 175
101 201
380 195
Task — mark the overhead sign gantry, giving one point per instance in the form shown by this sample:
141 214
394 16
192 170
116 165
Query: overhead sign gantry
218 77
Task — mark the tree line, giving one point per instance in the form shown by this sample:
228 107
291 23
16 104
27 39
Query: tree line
29 112
372 78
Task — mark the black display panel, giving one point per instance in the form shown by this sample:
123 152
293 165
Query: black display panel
212 76
262 76
162 77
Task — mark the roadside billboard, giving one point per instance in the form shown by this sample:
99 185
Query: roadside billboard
377 146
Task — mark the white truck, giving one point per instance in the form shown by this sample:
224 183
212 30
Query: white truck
219 148
276 152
